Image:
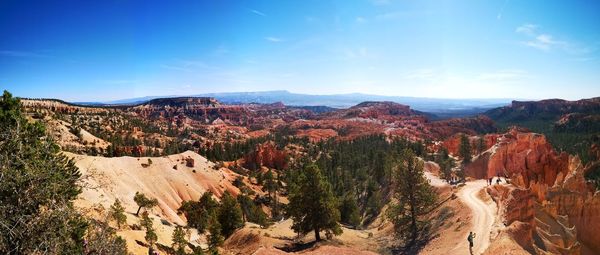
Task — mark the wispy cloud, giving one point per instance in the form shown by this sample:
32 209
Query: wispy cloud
509 75
186 65
547 42
527 29
21 54
257 12
273 39
499 16
176 68
361 20
354 53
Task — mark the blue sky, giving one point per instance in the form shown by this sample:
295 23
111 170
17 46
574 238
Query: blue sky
105 50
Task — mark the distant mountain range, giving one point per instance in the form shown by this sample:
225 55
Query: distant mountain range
441 107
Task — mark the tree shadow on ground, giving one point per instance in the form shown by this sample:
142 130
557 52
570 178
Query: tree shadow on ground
297 247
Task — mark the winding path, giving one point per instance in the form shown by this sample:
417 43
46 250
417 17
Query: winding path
483 214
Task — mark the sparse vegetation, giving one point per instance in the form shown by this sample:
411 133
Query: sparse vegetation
144 202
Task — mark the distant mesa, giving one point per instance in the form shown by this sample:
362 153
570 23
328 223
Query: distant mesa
184 101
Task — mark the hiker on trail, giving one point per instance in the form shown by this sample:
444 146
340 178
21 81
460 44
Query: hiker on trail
471 238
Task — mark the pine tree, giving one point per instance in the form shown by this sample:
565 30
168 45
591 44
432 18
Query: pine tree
349 210
37 187
464 149
215 238
414 199
229 215
200 213
270 184
179 241
143 202
312 205
117 213
480 145
147 223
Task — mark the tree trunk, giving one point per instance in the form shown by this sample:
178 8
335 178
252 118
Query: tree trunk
138 211
317 235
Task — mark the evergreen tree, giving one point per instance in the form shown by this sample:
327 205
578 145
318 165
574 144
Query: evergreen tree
215 238
270 185
464 149
230 215
37 187
200 213
179 241
414 199
102 239
480 145
147 223
143 202
312 205
117 213
446 166
349 212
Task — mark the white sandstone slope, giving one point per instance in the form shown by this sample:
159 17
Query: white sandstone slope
107 179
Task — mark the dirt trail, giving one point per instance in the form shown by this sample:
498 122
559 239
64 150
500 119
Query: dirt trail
483 214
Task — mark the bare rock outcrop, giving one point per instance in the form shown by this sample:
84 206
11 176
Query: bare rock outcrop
528 156
555 208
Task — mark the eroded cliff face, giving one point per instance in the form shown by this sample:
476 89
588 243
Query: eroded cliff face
453 143
550 208
527 155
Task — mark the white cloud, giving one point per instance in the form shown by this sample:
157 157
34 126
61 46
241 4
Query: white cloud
361 20
547 42
257 12
273 39
527 29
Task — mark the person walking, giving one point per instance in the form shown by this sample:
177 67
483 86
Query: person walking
471 238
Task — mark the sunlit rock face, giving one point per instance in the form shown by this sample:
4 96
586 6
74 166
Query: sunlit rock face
527 156
550 193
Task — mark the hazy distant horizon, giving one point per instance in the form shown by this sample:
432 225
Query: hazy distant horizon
148 97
